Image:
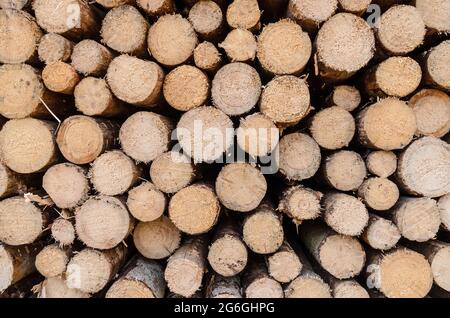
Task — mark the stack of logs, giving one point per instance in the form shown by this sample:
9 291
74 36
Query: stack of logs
352 109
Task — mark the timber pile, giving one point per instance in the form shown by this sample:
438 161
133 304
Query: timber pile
116 123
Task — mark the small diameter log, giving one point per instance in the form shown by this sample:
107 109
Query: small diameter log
434 14
16 263
94 98
400 273
310 14
380 233
344 170
397 76
285 100
17 25
146 203
347 97
299 156
378 125
244 14
207 57
432 109
185 268
124 30
257 283
90 270
156 7
284 265
381 163
28 145
223 287
63 231
358 7
66 184
207 19
342 256
300 203
262 230
240 187
348 289
283 48
172 171
172 40
345 44
205 133
156 239
109 4
435 66
113 173
81 139
227 252
56 287
54 47
186 87
332 128
424 167
12 183
135 81
145 135
236 88
379 194
418 219
91 58
194 209
60 77
400 36
240 46
142 279
103 222
52 261
13 4
444 209
308 285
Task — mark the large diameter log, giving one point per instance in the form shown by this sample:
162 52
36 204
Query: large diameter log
90 270
103 222
142 279
54 47
63 231
156 7
145 202
435 66
284 265
283 48
378 125
257 135
81 139
207 19
244 14
344 170
357 7
345 96
380 233
434 14
240 46
381 163
257 283
207 57
379 194
56 287
424 167
223 287
60 77
91 58
12 183
19 37
13 4
52 260
300 203
444 209
311 14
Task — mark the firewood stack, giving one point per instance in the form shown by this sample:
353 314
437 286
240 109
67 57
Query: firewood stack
245 148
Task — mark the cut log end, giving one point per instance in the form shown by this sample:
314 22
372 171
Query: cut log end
444 208
301 203
240 46
264 287
156 7
63 231
311 14
436 66
56 287
227 255
91 58
146 203
344 170
349 289
379 193
54 47
244 14
433 13
60 77
284 265
357 7
52 261
207 57
381 163
381 234
347 97
309 285
206 18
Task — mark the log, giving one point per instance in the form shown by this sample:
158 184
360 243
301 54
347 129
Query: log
16 24
257 283
103 222
66 184
56 287
227 253
13 4
397 76
172 40
332 128
54 47
195 86
348 289
145 135
113 173
240 187
311 14
207 19
124 30
308 285
185 268
109 4
81 139
142 279
223 287
235 99
444 209
386 113
60 77
358 7
91 58
52 260
284 265
135 81
262 230
435 66
145 202
379 194
283 48
90 270
157 239
285 100
300 203
381 234
434 15
244 14
345 96
240 46
299 156
424 167
172 171
156 8
12 183
345 44
344 170
194 209
63 230
418 219
207 57
381 163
